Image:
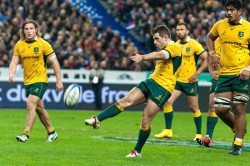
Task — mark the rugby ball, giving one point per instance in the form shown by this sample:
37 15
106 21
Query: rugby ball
72 95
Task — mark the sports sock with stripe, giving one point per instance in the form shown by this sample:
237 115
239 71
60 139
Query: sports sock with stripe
109 112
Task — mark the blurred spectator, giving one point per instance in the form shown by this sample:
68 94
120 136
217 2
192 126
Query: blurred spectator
96 78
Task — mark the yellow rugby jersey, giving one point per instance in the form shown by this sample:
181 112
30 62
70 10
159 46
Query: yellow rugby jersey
234 42
166 71
33 55
190 51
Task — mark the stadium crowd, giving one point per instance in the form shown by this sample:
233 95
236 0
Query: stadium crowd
141 16
79 43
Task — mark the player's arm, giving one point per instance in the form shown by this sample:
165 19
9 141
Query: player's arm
160 55
210 43
12 67
57 70
202 67
211 70
214 58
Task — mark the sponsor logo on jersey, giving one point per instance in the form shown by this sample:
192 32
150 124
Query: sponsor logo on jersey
231 42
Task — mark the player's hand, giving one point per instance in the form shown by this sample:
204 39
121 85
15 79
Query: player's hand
137 58
11 78
193 78
213 74
215 61
244 74
59 86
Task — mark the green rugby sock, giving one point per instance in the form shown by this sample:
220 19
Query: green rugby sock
198 123
109 112
211 122
142 138
168 119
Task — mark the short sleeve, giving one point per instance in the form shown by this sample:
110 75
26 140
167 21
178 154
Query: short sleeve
174 50
214 29
16 49
198 48
47 48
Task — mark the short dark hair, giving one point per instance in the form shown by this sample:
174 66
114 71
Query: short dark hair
185 24
237 4
162 30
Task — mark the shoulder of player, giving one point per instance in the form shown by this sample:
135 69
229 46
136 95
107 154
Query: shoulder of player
173 45
20 43
192 41
223 21
245 22
41 40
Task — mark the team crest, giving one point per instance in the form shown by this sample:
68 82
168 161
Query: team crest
36 49
36 90
245 87
192 90
241 34
158 97
188 49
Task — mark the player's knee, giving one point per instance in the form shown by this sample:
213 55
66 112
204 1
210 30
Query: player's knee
211 105
193 107
125 102
30 104
39 109
240 99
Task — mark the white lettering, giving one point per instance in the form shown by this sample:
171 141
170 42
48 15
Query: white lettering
88 96
57 96
46 96
112 95
104 93
14 94
120 94
18 94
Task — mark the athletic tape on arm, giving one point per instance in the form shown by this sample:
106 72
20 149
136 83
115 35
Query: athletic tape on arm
166 53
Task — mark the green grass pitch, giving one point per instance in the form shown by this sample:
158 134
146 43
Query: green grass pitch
81 145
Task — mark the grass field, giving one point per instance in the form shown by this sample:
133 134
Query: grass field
81 145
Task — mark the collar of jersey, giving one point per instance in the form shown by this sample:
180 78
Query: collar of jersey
239 23
31 41
184 42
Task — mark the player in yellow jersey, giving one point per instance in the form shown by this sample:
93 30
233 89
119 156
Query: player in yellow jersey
154 91
34 52
212 118
232 89
187 81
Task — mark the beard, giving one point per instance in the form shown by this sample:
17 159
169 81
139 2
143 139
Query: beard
182 37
